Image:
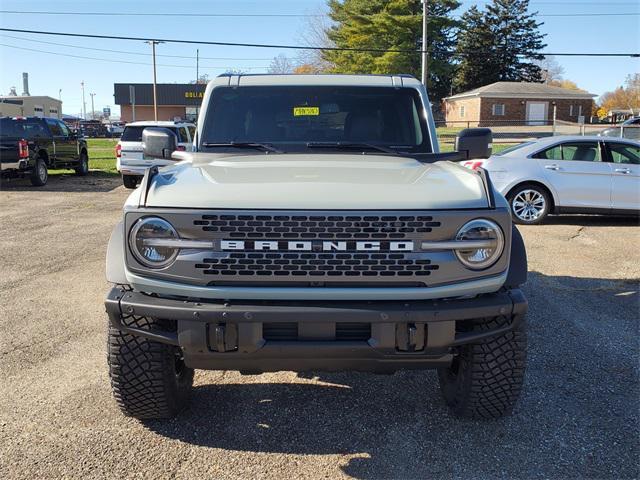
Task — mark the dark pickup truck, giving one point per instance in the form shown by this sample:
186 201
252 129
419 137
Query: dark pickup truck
29 146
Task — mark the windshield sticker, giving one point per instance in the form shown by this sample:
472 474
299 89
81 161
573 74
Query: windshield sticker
306 111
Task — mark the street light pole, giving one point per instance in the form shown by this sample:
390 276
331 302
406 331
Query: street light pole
424 42
93 110
155 96
84 103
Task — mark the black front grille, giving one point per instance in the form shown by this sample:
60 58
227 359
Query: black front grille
353 331
281 331
315 264
288 331
328 227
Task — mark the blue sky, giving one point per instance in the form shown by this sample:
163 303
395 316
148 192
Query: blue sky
49 73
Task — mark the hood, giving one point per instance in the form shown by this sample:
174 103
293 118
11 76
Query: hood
314 182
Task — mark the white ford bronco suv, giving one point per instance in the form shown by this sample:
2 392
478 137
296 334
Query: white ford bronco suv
316 226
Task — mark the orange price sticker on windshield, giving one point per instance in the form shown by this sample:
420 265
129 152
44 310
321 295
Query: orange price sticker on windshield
306 111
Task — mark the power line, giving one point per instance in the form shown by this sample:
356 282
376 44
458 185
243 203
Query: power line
279 46
276 15
119 61
126 52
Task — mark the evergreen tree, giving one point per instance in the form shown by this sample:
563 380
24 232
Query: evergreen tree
498 44
395 25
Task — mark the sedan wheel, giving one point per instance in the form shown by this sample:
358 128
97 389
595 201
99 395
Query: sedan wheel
529 204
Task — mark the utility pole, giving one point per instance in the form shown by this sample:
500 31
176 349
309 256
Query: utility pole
197 66
93 110
84 103
424 42
155 95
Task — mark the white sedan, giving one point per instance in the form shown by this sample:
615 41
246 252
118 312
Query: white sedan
567 174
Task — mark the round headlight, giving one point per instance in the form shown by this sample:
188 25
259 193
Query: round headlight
148 242
482 230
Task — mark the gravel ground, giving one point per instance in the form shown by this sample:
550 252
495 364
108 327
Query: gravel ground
578 416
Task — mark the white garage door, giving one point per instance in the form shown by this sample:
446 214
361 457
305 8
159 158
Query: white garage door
536 113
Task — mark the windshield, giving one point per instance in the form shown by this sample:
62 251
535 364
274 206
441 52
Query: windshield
290 117
134 133
26 128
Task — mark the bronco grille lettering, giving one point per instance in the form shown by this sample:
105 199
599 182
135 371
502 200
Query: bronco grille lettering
317 245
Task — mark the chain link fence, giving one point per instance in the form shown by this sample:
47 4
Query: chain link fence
506 133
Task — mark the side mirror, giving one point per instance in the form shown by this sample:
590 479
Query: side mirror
158 142
474 142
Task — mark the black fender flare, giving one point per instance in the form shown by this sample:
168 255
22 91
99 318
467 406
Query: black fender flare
518 263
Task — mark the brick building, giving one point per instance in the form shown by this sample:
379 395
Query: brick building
503 103
175 100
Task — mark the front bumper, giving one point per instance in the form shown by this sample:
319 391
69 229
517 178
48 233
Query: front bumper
262 336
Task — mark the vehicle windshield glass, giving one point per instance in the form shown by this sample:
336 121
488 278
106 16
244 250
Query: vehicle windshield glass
21 128
134 133
290 117
514 148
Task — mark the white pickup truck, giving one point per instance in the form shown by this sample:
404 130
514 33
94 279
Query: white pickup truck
130 160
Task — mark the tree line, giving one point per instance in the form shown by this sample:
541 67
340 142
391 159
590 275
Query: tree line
500 42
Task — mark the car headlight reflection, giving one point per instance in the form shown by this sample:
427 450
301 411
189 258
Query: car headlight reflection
147 241
482 230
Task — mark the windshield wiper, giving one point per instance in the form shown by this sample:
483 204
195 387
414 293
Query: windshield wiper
260 146
352 145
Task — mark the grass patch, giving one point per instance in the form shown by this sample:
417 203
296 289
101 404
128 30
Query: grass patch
496 147
102 157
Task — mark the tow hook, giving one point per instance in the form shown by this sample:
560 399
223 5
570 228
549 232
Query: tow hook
410 337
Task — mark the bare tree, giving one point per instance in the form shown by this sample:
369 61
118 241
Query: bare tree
314 33
235 71
551 70
281 64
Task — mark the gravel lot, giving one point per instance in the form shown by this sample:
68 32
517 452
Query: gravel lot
578 416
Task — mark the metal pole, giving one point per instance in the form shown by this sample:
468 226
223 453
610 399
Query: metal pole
555 108
84 103
93 109
197 66
155 96
424 42
132 99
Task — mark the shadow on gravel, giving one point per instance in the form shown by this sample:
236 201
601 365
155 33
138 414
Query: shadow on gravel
96 181
593 220
577 417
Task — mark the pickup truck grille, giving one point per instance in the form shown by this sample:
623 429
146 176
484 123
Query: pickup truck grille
313 264
329 227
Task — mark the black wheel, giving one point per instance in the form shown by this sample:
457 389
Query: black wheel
485 378
39 175
129 181
529 204
83 166
149 379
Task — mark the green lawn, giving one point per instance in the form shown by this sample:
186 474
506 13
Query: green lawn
102 157
497 147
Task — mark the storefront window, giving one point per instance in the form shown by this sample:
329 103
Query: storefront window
191 114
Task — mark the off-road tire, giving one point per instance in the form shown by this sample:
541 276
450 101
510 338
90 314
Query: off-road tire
148 378
485 378
130 181
83 166
541 191
39 175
